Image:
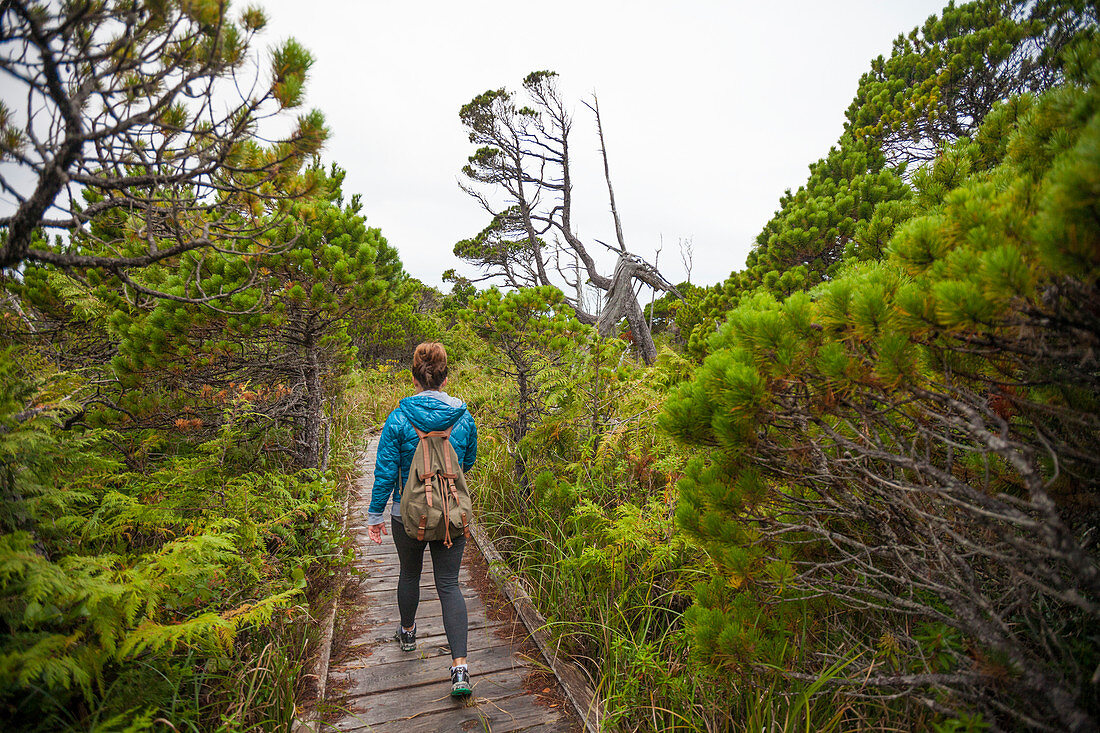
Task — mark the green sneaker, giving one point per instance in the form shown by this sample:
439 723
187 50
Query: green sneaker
460 682
406 638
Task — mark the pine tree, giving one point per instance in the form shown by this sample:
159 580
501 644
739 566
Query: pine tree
139 108
531 329
938 86
943 78
282 332
913 445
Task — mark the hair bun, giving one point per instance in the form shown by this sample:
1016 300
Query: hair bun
429 364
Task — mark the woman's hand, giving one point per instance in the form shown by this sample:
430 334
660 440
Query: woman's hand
375 532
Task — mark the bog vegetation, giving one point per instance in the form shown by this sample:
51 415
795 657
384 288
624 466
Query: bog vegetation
852 487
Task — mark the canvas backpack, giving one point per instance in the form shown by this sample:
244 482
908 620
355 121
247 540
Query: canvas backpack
435 504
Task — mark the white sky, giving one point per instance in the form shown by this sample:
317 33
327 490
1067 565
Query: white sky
710 109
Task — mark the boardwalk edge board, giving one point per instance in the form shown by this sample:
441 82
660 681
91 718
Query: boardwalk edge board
321 669
580 693
330 622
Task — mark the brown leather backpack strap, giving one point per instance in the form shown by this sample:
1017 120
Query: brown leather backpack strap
446 519
465 525
447 462
427 455
420 529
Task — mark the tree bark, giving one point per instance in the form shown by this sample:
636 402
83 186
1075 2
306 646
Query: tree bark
643 337
622 303
311 429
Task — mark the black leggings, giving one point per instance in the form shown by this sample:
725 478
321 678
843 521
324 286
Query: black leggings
446 562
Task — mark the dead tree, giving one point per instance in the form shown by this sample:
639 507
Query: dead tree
524 159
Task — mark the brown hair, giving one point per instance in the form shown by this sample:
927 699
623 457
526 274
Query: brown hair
430 364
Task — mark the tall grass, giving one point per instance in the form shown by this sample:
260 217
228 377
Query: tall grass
593 541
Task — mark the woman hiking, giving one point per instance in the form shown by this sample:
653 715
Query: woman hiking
428 410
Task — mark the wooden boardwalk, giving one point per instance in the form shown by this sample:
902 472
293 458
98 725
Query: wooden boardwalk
378 687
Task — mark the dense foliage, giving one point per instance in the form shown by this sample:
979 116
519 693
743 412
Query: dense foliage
171 590
145 111
938 86
853 487
916 438
169 485
175 441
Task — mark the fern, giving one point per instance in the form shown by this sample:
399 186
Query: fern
48 660
101 568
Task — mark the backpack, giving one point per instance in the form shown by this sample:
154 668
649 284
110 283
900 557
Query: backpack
435 504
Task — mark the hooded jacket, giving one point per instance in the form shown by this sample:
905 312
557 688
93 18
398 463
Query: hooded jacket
429 410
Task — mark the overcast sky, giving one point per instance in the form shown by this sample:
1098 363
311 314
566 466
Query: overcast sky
710 109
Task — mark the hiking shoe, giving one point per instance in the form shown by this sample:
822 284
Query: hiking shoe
460 682
406 638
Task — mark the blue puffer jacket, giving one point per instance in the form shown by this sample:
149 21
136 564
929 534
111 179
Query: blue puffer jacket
428 411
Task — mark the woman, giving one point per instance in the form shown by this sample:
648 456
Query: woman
429 409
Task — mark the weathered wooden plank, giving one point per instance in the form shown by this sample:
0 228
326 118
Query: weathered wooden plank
386 551
411 702
498 716
376 556
429 617
379 607
370 677
382 595
389 582
557 726
389 566
379 648
385 573
429 631
385 595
